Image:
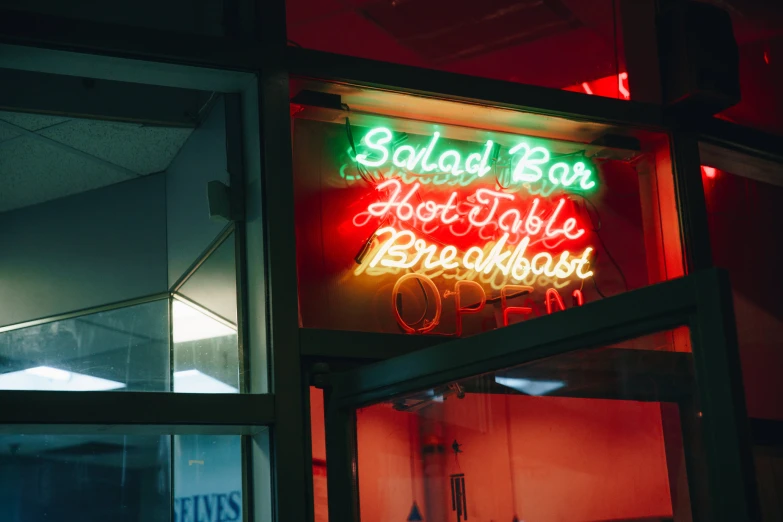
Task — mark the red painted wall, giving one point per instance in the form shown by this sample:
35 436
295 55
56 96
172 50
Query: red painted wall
744 220
572 459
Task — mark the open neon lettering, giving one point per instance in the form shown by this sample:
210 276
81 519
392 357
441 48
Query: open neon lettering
529 164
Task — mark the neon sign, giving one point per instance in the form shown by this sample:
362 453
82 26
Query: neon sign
478 231
530 162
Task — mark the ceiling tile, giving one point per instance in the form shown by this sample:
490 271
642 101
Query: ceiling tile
32 172
29 121
142 149
7 134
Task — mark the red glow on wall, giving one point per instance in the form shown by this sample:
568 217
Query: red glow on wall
606 457
615 86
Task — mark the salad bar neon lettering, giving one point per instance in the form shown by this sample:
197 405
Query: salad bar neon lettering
531 162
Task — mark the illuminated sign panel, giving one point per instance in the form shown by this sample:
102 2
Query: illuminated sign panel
440 230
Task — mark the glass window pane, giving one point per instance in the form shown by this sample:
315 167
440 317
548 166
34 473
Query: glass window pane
123 478
587 435
434 217
116 193
205 351
744 221
126 349
204 326
207 478
85 478
560 44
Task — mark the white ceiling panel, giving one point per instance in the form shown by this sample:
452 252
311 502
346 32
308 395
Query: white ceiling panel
7 134
33 171
142 149
49 157
30 121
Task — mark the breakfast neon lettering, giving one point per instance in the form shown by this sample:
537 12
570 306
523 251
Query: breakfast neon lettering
532 163
402 249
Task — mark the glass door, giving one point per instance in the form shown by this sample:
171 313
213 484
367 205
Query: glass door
629 408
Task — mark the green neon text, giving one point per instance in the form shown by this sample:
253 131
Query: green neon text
527 164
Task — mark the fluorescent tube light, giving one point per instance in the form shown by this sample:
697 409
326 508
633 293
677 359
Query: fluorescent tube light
46 378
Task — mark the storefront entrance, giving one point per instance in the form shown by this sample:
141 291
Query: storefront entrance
600 412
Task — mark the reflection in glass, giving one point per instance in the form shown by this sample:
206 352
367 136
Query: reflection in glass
586 435
124 350
207 478
206 358
84 478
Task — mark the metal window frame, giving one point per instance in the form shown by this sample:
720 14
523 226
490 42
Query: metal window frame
701 301
251 415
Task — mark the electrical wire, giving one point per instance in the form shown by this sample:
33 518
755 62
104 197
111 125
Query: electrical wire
605 249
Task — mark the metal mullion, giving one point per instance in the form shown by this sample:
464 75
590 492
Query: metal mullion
472 89
151 411
741 139
290 469
344 344
628 315
721 400
341 470
691 203
86 311
25 28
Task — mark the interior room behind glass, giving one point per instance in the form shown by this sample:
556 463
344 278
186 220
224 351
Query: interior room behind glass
115 274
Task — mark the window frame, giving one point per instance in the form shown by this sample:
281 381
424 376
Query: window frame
702 301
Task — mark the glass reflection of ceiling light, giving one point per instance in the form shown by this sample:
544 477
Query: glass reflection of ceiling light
193 381
530 386
46 378
190 324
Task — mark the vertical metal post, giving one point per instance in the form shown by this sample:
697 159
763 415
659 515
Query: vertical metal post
724 424
341 463
640 48
691 202
288 436
235 155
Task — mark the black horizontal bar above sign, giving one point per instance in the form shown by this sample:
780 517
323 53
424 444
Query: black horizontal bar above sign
343 344
460 87
133 412
75 97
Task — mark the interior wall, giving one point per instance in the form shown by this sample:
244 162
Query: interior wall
744 221
202 159
572 459
390 466
97 247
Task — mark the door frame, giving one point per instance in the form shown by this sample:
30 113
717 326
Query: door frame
702 301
